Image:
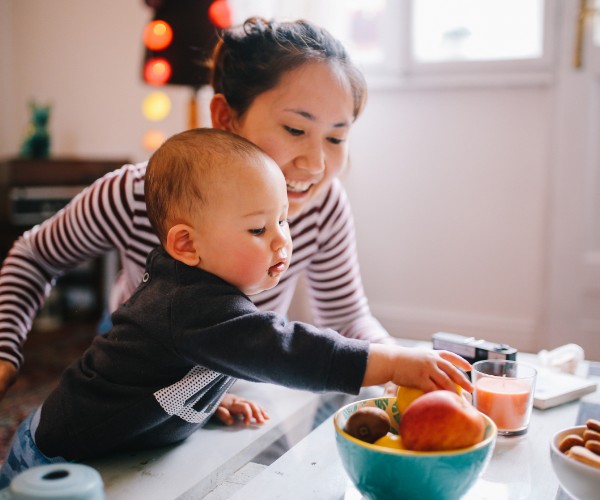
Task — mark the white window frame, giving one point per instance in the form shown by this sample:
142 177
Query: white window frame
401 70
405 72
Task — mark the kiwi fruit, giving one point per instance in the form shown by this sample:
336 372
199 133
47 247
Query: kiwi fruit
368 424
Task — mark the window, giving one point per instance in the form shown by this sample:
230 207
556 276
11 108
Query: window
597 23
419 41
477 30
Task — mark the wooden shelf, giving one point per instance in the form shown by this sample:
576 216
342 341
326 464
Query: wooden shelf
40 188
56 171
52 174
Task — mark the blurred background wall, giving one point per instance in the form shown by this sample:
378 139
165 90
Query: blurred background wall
450 187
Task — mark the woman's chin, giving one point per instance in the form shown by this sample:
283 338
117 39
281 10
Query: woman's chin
298 201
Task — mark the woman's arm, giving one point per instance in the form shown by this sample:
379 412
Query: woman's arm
334 281
96 220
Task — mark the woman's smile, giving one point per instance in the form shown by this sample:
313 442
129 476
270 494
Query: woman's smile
298 186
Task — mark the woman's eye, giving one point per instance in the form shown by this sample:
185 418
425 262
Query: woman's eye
294 131
257 232
335 140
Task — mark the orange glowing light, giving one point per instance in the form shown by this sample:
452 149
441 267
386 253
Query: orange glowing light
157 71
152 139
158 35
219 14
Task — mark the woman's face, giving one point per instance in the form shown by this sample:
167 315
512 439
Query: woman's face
303 124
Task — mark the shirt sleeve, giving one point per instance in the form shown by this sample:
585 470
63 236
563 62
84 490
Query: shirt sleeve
95 221
264 347
334 283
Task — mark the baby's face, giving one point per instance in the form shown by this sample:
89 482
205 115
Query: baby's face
244 237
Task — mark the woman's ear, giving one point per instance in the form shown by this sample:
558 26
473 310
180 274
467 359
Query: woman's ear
221 113
181 246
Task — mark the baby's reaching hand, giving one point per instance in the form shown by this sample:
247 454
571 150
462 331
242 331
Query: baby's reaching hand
424 369
234 408
431 370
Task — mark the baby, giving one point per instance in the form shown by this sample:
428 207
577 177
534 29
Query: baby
219 207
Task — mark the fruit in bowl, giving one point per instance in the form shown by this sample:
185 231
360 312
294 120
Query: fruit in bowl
576 466
441 420
368 424
389 470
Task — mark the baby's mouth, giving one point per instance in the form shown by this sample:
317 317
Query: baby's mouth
298 186
277 269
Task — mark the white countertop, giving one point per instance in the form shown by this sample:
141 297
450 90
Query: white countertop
196 466
218 460
520 467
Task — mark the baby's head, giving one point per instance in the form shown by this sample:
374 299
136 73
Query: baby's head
218 202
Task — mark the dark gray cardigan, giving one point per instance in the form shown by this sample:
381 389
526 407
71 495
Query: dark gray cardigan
175 348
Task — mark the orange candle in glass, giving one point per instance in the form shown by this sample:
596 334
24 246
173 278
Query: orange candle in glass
503 390
504 400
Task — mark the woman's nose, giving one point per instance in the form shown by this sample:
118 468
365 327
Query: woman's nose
312 159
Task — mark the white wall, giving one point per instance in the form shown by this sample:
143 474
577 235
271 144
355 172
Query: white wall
84 57
449 187
449 194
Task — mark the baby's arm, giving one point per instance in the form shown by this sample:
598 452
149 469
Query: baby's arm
233 407
425 369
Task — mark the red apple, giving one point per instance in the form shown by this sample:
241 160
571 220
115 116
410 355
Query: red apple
441 420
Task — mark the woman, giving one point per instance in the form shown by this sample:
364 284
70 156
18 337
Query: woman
291 89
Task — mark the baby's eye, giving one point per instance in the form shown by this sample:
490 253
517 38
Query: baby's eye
284 222
257 232
294 131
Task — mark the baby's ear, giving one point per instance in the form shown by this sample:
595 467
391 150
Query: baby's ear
180 245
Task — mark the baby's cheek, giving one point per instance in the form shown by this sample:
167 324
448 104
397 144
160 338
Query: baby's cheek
248 271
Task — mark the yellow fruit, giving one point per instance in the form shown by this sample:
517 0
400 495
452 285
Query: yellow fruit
391 440
405 396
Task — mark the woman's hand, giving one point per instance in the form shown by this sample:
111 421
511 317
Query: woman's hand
8 374
233 408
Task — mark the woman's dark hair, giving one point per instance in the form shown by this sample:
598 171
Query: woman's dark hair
251 59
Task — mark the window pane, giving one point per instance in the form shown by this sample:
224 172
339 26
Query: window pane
358 24
477 30
597 23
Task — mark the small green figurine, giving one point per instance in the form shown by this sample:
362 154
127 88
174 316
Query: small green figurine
37 140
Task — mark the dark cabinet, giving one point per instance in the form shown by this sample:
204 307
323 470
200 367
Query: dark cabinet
33 190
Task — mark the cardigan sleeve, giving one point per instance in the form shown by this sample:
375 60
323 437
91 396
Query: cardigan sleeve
264 347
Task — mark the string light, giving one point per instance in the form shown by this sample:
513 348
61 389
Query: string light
152 139
156 106
219 14
157 71
158 35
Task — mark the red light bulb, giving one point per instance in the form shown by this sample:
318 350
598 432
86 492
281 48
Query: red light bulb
158 35
157 71
219 14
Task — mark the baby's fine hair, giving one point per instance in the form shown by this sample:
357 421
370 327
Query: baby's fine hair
251 59
182 170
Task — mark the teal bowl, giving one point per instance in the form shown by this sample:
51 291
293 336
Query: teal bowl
380 472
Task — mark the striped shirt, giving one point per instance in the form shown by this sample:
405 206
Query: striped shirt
111 214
